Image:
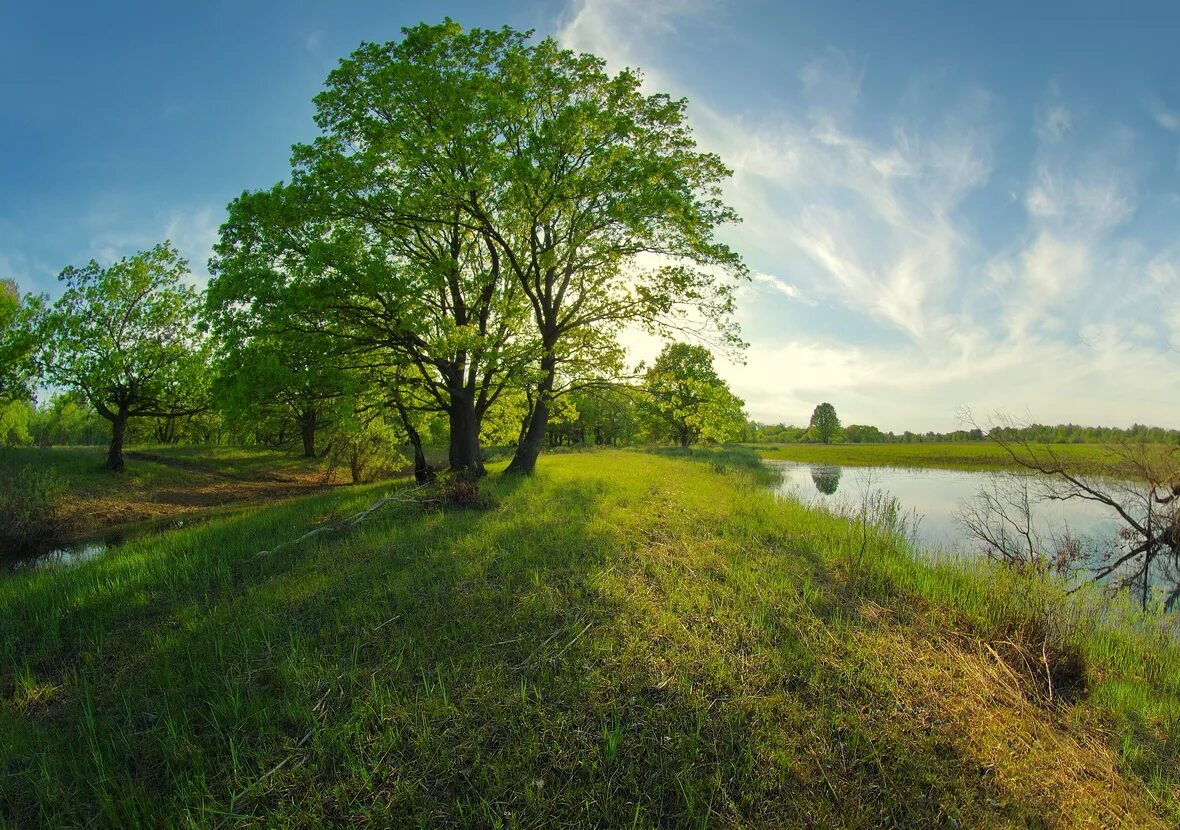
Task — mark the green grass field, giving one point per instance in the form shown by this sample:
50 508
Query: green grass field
625 640
947 455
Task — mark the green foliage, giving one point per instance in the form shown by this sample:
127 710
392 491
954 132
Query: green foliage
29 501
685 401
861 434
125 337
15 418
366 446
598 416
824 425
18 340
68 419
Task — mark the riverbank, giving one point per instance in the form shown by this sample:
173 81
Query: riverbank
627 639
950 455
162 483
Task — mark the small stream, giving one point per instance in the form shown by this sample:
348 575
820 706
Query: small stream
67 554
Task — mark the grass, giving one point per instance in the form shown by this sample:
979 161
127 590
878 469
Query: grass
163 482
951 455
625 640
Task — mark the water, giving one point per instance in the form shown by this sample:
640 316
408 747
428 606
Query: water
66 555
936 496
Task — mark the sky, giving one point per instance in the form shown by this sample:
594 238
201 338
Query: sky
945 205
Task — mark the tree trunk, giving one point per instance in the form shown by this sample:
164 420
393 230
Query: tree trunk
465 456
307 424
423 472
118 431
524 460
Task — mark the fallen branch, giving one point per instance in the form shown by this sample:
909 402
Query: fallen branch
351 522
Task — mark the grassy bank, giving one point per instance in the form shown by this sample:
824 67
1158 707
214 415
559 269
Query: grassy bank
626 640
162 482
949 455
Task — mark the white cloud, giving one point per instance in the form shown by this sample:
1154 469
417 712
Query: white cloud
1094 200
878 228
781 286
193 231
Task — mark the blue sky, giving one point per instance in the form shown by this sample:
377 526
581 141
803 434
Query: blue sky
945 204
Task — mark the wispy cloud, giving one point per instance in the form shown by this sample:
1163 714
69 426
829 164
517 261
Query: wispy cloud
781 286
1166 117
1031 306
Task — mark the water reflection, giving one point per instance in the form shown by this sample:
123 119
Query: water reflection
936 495
74 553
826 478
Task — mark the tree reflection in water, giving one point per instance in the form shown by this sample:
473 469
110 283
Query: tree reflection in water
826 478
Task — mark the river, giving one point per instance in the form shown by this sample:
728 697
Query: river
935 495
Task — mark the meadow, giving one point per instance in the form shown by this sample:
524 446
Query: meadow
626 639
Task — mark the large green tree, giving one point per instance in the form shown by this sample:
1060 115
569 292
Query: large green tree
686 401
364 254
126 338
824 425
590 196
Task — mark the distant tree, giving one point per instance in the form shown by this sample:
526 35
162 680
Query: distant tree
686 401
15 417
17 341
125 338
599 416
862 434
286 379
67 418
825 425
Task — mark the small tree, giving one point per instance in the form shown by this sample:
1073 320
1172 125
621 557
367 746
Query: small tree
17 340
125 338
687 401
825 425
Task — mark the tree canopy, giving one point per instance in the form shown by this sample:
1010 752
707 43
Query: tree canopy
125 337
825 425
485 213
685 401
17 341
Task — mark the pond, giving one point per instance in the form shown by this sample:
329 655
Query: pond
935 495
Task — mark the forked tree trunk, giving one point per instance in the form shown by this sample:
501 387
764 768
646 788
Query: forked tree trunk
423 472
465 456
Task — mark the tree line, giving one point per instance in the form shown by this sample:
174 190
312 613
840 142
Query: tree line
452 260
781 433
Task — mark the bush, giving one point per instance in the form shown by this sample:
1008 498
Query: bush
29 503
